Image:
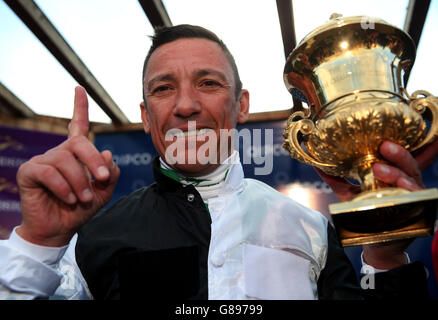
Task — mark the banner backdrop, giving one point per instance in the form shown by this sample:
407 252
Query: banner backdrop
17 146
133 152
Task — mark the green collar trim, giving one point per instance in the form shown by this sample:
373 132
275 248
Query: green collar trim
190 180
171 174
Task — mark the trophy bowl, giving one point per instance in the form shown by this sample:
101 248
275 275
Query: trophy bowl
351 72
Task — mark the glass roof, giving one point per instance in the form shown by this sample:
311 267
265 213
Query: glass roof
111 38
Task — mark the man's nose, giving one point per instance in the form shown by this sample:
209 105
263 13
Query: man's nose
186 103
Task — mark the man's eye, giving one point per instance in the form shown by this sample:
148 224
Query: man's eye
161 89
210 83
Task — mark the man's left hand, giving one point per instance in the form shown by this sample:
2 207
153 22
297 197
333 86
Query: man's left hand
403 171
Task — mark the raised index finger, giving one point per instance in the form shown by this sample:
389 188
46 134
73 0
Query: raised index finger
79 123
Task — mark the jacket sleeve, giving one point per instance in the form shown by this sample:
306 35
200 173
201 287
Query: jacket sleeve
29 271
338 279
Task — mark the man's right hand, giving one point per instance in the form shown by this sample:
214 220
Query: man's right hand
58 194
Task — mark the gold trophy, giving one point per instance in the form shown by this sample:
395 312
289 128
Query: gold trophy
350 71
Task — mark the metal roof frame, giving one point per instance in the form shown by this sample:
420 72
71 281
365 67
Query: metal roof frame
40 25
156 13
287 26
414 23
10 103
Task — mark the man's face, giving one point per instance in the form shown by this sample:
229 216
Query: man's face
187 82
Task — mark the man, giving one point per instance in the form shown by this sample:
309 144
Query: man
201 231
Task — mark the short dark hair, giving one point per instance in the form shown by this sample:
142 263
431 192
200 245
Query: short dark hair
165 35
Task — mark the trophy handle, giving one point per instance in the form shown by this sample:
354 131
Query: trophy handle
430 102
292 143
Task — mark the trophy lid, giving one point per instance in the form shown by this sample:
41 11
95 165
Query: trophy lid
337 21
346 55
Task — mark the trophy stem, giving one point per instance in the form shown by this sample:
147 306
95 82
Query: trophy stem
366 176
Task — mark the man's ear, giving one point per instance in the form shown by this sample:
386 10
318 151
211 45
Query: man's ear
145 118
243 104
